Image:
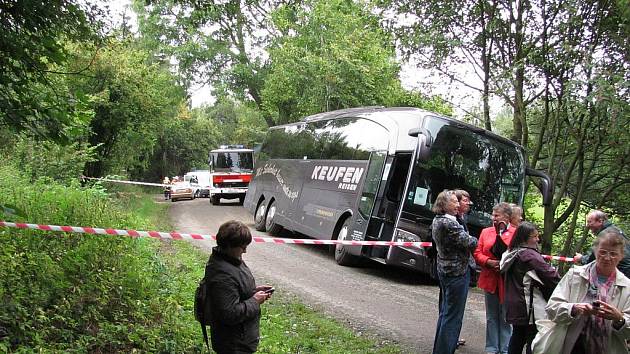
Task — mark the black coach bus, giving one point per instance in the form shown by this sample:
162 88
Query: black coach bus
373 173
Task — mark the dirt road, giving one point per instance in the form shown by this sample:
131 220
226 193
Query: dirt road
394 304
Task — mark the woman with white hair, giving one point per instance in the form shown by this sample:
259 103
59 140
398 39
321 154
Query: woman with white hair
593 301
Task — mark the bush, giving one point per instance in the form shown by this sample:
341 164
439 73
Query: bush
83 292
62 163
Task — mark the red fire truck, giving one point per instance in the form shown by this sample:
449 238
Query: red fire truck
231 168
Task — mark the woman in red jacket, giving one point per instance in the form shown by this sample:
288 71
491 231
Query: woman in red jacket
498 332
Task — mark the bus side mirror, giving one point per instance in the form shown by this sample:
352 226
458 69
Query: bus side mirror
546 185
424 142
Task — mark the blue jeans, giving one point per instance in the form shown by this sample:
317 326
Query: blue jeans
454 293
498 332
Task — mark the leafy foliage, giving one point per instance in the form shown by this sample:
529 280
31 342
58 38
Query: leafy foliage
213 42
182 145
237 123
82 292
59 162
334 55
31 53
132 100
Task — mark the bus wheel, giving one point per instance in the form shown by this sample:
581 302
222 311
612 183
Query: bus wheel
270 224
215 200
342 255
259 217
241 200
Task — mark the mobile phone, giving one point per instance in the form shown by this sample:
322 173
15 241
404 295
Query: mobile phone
595 303
270 290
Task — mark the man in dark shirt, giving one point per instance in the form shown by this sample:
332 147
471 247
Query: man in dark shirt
597 221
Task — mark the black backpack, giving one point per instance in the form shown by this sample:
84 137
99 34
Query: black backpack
203 313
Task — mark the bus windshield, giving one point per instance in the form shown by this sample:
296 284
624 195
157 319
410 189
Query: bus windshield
233 161
490 170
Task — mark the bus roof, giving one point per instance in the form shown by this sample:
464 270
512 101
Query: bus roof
375 111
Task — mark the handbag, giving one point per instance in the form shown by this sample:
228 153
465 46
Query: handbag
550 337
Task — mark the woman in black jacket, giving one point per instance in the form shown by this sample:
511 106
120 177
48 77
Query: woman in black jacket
529 281
234 297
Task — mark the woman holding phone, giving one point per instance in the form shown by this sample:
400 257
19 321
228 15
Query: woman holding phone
234 297
594 301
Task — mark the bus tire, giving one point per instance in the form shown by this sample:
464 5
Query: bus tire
241 200
215 200
342 255
270 224
259 216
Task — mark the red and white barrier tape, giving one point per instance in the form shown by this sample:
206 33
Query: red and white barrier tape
180 236
183 236
558 258
128 182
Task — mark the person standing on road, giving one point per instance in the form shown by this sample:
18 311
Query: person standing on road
453 245
234 297
498 332
594 301
167 189
517 215
464 207
463 197
597 222
529 281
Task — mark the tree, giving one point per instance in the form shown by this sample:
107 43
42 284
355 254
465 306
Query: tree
32 51
581 124
333 55
235 122
131 100
183 145
217 43
563 68
445 35
234 46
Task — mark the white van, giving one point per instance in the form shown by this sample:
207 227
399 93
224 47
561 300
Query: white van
200 181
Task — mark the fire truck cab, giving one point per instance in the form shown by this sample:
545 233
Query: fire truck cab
231 168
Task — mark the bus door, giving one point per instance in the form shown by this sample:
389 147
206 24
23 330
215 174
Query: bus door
388 203
369 194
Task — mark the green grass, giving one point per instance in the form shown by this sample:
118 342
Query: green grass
64 292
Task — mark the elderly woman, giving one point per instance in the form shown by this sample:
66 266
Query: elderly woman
454 246
498 332
527 279
594 300
235 298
